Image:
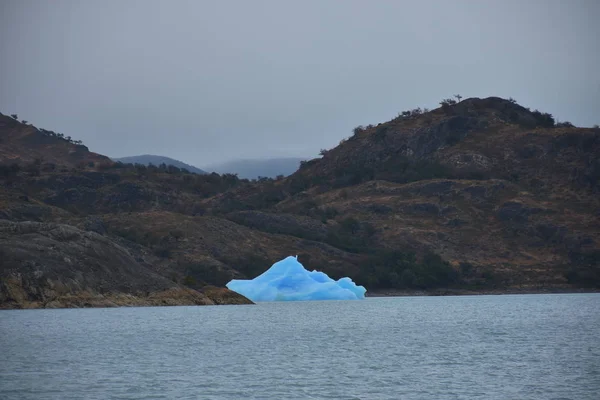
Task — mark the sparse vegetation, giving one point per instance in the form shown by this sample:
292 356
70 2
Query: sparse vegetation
420 182
564 124
9 171
447 102
49 133
410 114
544 120
358 130
199 274
381 131
401 269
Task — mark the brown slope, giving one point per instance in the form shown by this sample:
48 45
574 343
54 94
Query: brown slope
484 182
478 138
510 203
21 143
52 265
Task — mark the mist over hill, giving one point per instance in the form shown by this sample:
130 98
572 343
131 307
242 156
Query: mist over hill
147 159
254 168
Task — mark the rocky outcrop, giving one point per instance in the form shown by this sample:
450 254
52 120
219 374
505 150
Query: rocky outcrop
54 265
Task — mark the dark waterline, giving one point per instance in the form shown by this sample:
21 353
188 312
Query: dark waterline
458 347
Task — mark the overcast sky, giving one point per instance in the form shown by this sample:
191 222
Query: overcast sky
209 81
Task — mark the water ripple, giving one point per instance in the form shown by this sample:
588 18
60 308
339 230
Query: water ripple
472 347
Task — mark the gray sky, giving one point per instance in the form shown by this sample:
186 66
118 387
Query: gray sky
208 81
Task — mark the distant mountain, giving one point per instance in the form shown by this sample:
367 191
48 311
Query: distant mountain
251 169
147 159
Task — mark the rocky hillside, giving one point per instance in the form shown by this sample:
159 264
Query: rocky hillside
479 196
23 143
52 265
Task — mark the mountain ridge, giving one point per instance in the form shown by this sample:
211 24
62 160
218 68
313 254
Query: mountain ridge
477 196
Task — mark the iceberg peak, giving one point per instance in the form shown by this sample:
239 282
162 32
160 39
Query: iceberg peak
287 280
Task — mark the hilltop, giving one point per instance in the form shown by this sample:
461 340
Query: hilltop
483 195
22 143
147 159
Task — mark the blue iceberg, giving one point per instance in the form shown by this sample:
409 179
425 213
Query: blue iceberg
287 280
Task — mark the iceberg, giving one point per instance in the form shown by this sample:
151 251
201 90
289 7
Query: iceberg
287 280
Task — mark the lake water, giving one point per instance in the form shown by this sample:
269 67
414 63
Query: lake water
471 347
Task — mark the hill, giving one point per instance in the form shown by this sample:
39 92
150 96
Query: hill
148 159
479 196
22 143
254 169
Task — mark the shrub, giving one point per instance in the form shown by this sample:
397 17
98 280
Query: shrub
400 269
466 269
350 225
358 130
162 251
381 131
177 234
199 274
329 212
447 102
33 169
7 171
190 281
447 105
415 112
368 229
171 169
48 167
564 124
103 166
544 120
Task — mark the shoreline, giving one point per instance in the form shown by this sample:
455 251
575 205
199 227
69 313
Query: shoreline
478 292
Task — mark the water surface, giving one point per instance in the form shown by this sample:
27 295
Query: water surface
468 347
